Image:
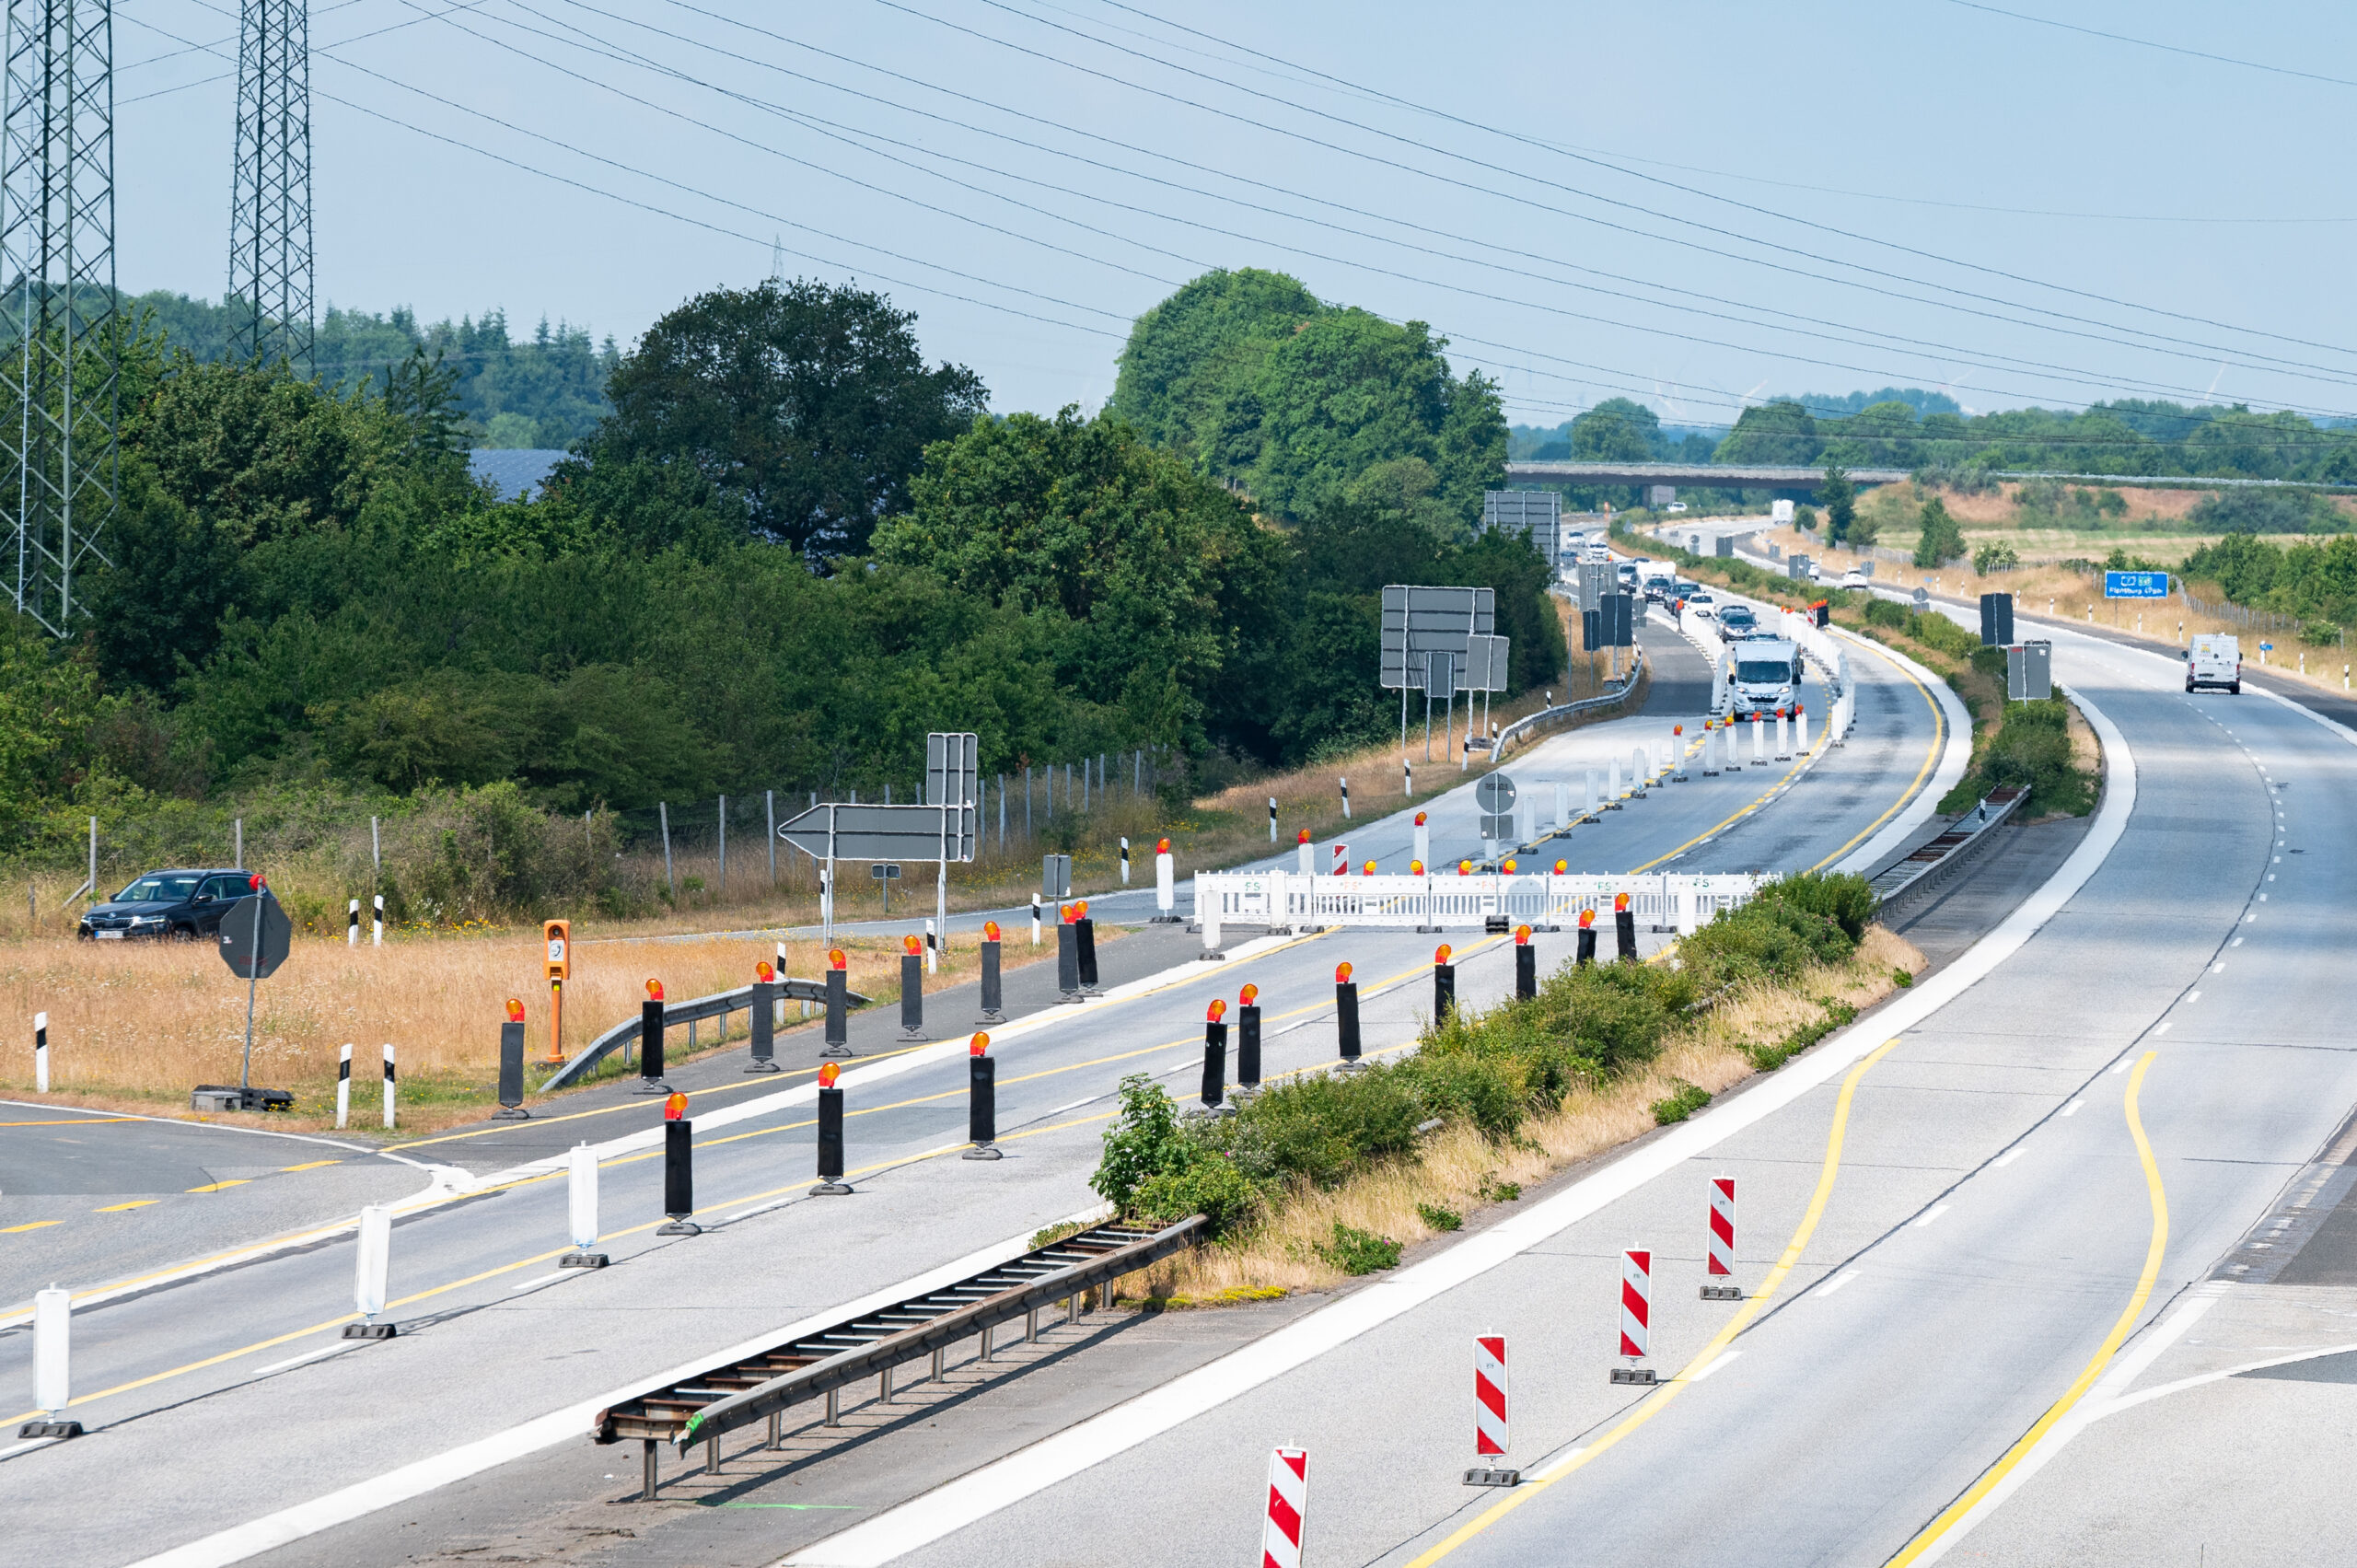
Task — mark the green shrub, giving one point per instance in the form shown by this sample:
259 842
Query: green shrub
1356 1251
1989 661
1689 1098
1317 1129
1994 558
1886 613
1440 1216
1144 1142
1208 1186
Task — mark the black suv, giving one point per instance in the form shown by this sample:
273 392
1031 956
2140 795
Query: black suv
183 905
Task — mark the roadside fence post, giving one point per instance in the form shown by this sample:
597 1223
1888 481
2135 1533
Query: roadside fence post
831 1136
981 1100
581 1209
1125 860
352 925
376 929
663 814
1272 818
678 1169
1346 799
1035 920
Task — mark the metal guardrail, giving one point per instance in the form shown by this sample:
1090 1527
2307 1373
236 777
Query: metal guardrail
1524 727
1664 901
721 1398
718 1005
1933 862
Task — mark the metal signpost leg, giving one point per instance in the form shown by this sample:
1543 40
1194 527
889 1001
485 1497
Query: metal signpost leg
254 972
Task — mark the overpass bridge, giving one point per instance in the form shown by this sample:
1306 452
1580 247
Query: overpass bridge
1716 476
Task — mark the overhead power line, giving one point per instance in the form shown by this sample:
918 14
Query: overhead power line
2150 43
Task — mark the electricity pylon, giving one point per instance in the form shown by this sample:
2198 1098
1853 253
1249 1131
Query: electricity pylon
270 202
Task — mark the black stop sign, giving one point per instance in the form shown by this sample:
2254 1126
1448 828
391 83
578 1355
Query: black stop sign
253 949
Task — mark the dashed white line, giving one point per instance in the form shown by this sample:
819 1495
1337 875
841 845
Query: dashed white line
1836 1282
2073 1108
2009 1156
1934 1213
2160 1029
2191 997
2218 968
1716 1362
2236 943
320 1354
538 1281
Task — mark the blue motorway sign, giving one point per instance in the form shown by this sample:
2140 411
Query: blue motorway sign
2135 584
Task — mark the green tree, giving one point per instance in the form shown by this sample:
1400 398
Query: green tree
1771 433
1839 495
1941 540
1193 358
810 404
1616 430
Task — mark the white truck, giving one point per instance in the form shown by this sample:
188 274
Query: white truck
2215 660
1761 675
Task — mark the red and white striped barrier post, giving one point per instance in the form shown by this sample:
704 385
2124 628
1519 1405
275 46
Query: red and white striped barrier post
1341 860
1287 1510
1722 1263
1636 1316
1490 1413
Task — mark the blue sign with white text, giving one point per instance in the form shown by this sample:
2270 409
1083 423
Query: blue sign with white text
2135 584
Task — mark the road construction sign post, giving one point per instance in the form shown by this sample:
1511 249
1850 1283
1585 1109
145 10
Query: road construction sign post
255 938
942 830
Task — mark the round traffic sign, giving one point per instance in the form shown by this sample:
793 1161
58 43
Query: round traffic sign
255 935
1494 794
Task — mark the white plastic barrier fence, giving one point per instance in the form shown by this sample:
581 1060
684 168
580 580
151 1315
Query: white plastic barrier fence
1664 901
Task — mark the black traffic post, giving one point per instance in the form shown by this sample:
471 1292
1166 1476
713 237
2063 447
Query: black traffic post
1248 1039
763 1022
511 1066
981 1100
993 994
830 1136
1346 1015
1444 984
912 990
1215 1053
1586 952
1525 964
1084 944
679 1170
650 1042
1624 927
1067 960
837 1004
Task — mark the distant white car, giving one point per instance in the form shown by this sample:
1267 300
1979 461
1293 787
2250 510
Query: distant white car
1854 578
1700 602
1677 505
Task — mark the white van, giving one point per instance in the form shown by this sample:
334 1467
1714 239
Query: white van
1762 675
2215 660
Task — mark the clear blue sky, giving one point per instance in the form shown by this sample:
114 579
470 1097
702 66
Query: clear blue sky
2165 187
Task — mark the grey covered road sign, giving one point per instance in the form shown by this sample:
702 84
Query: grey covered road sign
242 939
882 832
1496 795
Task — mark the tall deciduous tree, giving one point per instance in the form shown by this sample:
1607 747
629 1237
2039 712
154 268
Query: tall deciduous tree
1840 494
811 404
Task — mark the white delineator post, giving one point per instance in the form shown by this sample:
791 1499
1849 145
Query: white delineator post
1272 818
1800 718
581 1197
1489 1395
1587 812
1612 786
373 1264
389 1085
1346 799
1287 1509
1758 739
1783 735
1125 860
52 1334
40 1053
1721 1243
344 1088
376 935
352 925
1636 1303
1165 887
1035 919
1638 770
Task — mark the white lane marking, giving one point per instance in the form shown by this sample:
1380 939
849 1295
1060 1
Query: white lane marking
319 1354
1836 1282
2191 997
2160 1029
2251 916
538 1281
1716 1362
2009 1156
1092 1099
758 1209
16 1448
1934 1213
2218 968
2073 1108
2163 1389
2124 1063
2262 898
2236 943
2270 876
1568 1459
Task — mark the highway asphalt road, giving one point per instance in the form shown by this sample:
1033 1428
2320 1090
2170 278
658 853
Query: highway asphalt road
202 1384
1957 1235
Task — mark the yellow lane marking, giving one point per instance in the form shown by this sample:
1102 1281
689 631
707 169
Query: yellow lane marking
219 1186
1930 758
73 1121
313 1165
36 1225
134 1203
1693 1369
2120 1330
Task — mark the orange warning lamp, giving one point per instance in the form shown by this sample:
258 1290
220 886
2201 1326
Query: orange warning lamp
1420 819
1080 909
827 1075
655 990
1587 919
910 946
1370 868
1216 1011
990 930
1341 974
1561 867
1620 903
1162 846
675 1107
764 971
1522 935
835 959
515 1010
1464 868
979 1045
1441 953
1249 996
1512 865
1304 836
558 934
1677 729
1415 868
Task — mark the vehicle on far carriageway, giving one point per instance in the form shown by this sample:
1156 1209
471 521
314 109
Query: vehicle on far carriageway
2215 660
181 904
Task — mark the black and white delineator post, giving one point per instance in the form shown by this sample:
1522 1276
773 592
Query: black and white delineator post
650 1042
1346 1017
376 926
1216 1055
1165 887
760 1026
389 1085
1272 818
1035 920
1125 860
912 989
40 1053
344 1088
1346 798
831 1136
1443 984
581 1209
678 1169
372 1266
351 925
511 1066
1247 1041
993 985
1525 964
838 1004
53 1366
981 1100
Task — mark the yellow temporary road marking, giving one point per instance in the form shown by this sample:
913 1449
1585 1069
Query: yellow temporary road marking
1930 760
36 1225
1693 1370
73 1121
1956 1510
134 1203
313 1165
218 1186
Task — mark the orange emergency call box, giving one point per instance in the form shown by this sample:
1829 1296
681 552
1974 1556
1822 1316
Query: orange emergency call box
559 936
